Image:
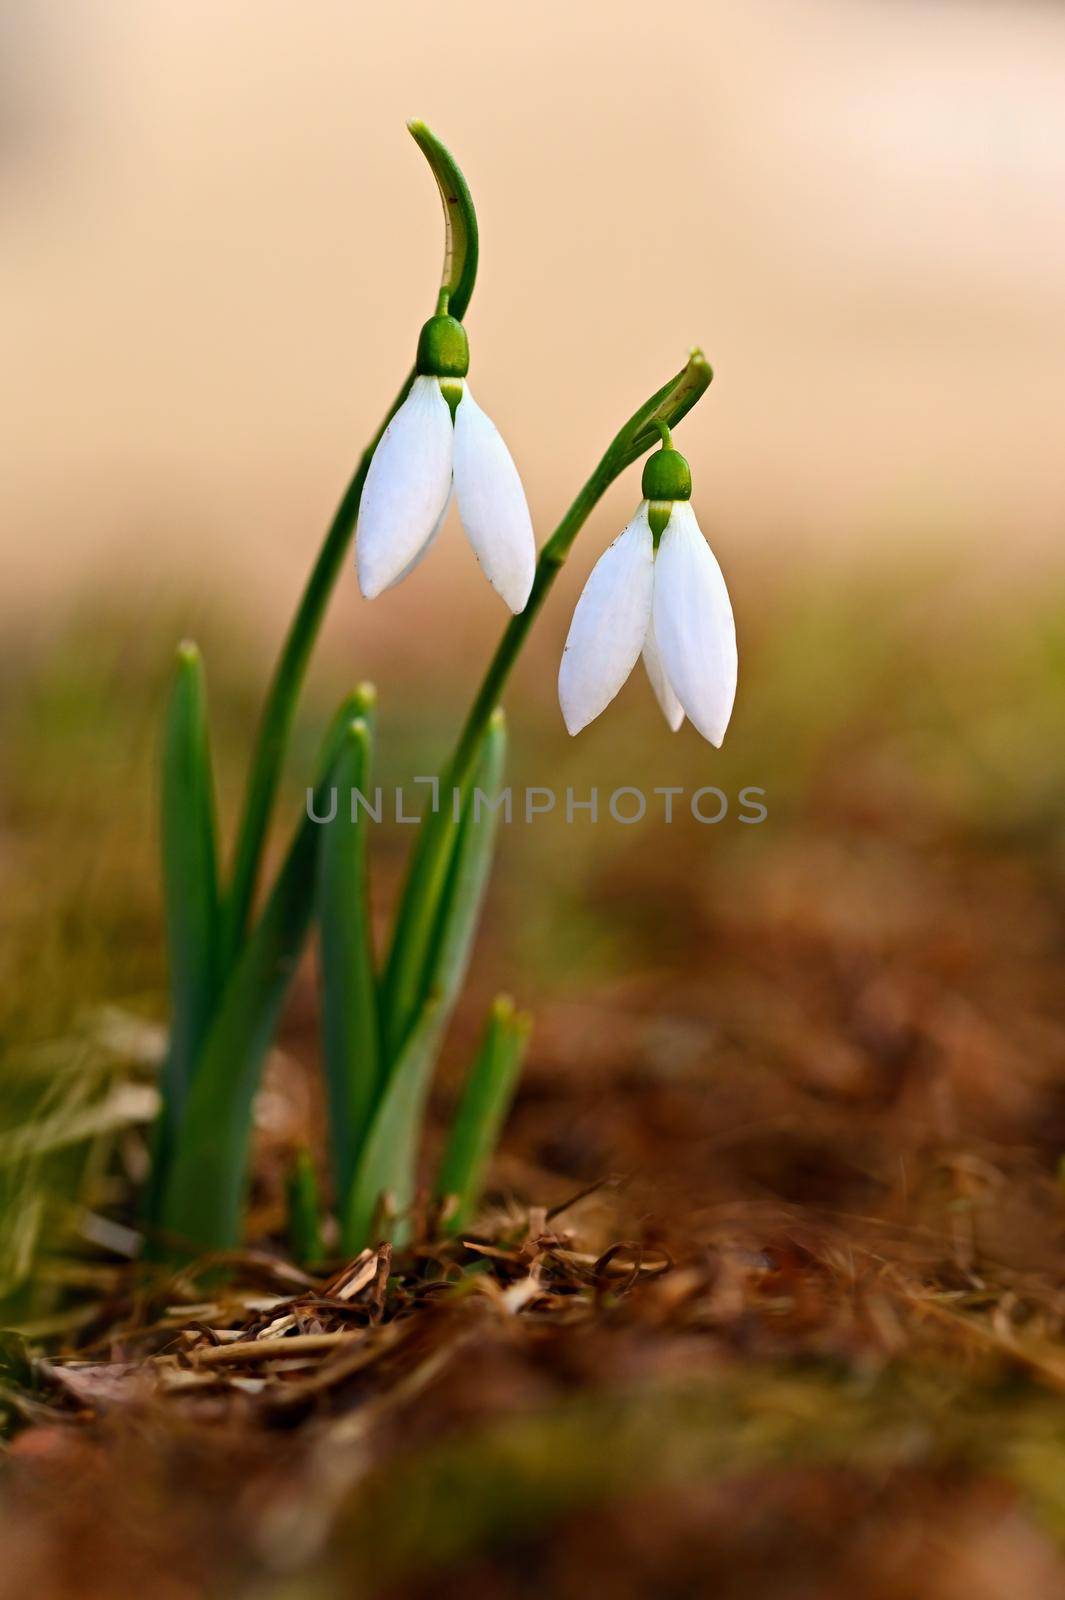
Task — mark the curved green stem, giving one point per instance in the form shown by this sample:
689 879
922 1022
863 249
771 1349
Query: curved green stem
459 275
280 708
405 973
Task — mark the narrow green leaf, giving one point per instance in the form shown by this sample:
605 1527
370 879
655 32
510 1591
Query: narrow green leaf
460 220
350 1023
421 916
478 1122
304 1211
190 871
387 1165
384 1182
459 908
403 984
205 1186
190 889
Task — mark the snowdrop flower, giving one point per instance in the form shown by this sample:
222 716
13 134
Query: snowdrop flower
657 590
439 442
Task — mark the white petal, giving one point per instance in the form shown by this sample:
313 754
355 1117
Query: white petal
609 625
492 504
406 489
693 625
427 546
672 709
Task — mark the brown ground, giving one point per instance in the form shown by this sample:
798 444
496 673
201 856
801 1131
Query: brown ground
819 1116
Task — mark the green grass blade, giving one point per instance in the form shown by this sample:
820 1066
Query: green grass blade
478 1122
385 1178
387 1165
304 1211
350 1023
205 1186
422 916
190 888
459 908
190 871
403 981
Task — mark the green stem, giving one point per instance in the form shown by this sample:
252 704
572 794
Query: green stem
675 399
280 708
457 281
548 567
404 980
432 852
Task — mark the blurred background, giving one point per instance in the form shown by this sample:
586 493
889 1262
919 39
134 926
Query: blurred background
217 244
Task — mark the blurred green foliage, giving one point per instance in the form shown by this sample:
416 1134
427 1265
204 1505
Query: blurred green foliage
866 702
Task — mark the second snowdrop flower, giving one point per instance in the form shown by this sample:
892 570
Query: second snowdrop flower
440 439
659 592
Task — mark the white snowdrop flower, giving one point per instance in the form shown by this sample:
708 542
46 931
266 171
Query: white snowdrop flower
659 592
440 441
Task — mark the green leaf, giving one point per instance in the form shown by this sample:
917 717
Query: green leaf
460 220
422 912
350 1022
459 908
304 1211
190 871
205 1186
482 1111
190 888
388 1163
384 1182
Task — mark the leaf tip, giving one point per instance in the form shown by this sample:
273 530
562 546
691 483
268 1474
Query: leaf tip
506 1014
698 363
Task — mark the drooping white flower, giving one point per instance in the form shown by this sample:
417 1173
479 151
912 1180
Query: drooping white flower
438 441
659 592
